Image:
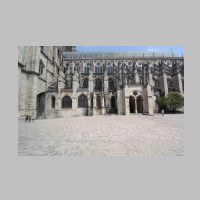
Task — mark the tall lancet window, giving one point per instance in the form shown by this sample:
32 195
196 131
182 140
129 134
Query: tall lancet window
98 69
111 84
87 68
85 83
98 85
82 101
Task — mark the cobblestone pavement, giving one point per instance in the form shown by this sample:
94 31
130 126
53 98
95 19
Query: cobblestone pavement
103 135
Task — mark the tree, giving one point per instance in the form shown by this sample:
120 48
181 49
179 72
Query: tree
174 101
162 102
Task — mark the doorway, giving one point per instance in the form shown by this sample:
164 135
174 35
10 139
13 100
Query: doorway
132 104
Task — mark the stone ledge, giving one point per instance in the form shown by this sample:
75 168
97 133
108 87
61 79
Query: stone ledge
30 72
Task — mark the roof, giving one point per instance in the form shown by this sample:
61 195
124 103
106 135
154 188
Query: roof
115 55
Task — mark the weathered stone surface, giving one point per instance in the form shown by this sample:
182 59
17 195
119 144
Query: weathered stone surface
45 71
108 135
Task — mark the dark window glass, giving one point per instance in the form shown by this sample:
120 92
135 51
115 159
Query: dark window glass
98 85
85 83
111 84
53 101
86 69
82 101
66 102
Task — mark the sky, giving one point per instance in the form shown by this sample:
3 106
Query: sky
178 50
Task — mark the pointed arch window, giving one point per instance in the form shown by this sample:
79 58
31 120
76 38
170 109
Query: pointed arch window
98 85
98 69
85 83
111 84
87 69
66 102
82 101
110 69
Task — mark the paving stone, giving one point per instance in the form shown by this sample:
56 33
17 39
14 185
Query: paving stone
103 135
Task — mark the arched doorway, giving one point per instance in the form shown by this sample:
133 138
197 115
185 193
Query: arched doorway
113 104
85 83
66 102
83 104
40 104
82 101
132 104
140 104
53 102
98 103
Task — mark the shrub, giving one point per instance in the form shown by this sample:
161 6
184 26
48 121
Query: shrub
162 102
171 103
174 101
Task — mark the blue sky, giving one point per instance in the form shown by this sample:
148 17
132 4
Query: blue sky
176 49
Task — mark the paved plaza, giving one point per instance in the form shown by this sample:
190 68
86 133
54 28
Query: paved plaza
113 135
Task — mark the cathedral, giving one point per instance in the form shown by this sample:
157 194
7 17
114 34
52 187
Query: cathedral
59 81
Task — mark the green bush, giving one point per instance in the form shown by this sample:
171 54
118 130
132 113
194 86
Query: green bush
174 101
162 103
171 103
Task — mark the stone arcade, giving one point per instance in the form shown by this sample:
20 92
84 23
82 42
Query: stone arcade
56 83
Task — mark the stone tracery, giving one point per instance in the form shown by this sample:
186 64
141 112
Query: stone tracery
106 76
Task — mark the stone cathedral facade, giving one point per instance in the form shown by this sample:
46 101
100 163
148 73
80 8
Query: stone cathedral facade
56 83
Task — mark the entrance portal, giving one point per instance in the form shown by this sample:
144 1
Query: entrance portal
113 105
132 104
140 104
40 106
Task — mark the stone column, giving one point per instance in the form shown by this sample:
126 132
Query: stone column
136 111
89 106
58 103
91 84
150 100
119 102
103 106
127 106
32 64
94 100
75 86
94 104
151 82
165 83
137 79
105 82
22 80
58 106
73 65
74 106
180 83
